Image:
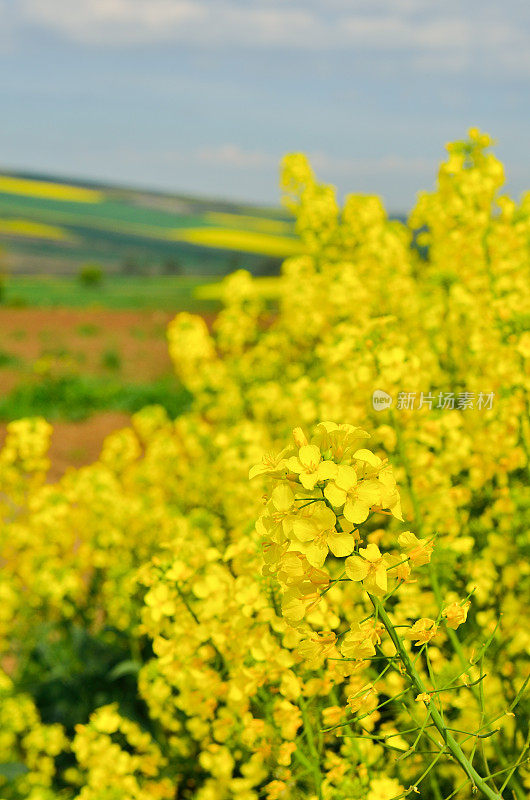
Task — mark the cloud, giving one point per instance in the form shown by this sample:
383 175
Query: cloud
314 25
203 22
234 156
117 22
237 157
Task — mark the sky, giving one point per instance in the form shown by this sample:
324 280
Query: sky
206 96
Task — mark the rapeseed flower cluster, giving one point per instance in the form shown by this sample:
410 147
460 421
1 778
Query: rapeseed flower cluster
349 623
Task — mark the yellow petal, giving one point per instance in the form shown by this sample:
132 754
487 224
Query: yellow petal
309 649
299 437
381 579
309 456
293 565
368 457
327 470
369 492
407 540
395 508
316 554
356 511
324 516
282 497
257 469
336 496
341 545
371 552
351 647
346 477
305 529
293 609
308 479
294 465
356 568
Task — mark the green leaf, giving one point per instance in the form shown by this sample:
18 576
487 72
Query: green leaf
124 668
13 770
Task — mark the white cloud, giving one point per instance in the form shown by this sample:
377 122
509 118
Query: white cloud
116 21
234 156
125 22
320 24
237 157
441 35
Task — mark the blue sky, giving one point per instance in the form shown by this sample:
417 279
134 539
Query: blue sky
205 96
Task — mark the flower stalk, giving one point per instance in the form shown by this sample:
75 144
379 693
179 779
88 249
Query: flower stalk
417 682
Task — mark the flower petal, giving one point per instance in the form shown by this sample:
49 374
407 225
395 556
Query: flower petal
304 529
316 554
341 545
308 479
346 477
368 457
371 552
282 497
356 511
381 579
309 456
335 495
356 568
327 470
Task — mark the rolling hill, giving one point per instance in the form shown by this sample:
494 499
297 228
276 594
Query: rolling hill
54 227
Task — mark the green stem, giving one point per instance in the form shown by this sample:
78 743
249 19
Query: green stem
433 575
315 758
418 684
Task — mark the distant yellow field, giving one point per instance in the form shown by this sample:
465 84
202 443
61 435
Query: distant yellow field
33 230
268 289
245 241
50 191
257 223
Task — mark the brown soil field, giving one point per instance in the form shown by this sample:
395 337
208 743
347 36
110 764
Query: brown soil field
74 444
83 339
77 443
129 345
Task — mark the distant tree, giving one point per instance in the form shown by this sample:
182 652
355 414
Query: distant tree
233 263
91 275
172 266
268 267
131 265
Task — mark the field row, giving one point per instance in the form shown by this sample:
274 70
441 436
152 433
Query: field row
47 226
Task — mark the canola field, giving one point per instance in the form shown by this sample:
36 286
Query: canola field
47 226
314 583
